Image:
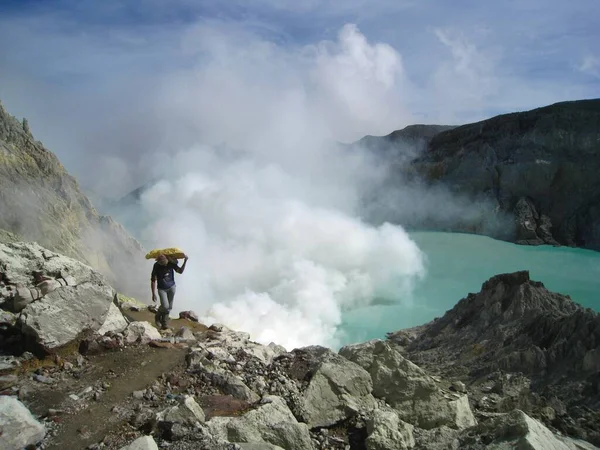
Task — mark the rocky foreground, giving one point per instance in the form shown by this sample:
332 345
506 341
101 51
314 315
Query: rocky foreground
514 366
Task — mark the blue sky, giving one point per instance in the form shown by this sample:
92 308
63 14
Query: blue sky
119 77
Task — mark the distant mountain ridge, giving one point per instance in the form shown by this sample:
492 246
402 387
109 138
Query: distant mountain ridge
41 202
539 167
418 134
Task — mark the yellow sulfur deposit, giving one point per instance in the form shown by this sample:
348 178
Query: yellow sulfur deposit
172 252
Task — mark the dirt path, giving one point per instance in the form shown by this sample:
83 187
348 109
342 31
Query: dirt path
129 370
82 419
174 324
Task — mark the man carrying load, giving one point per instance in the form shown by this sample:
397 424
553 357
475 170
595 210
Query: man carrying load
163 276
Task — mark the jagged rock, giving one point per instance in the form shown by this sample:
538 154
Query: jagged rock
199 357
9 362
408 388
114 322
232 385
264 353
511 305
71 298
518 345
64 314
544 230
337 388
141 332
387 432
184 333
518 430
189 315
272 422
207 360
188 412
526 217
7 381
218 327
18 428
532 229
459 386
21 259
222 344
442 438
7 319
142 443
257 446
129 304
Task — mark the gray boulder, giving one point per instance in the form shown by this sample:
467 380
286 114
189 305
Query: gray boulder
272 423
64 314
214 363
337 390
386 431
531 228
185 334
255 446
408 388
517 430
333 388
141 332
142 443
223 342
187 412
232 385
18 428
21 259
7 319
114 321
59 298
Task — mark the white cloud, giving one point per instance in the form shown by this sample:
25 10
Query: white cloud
467 77
590 65
363 87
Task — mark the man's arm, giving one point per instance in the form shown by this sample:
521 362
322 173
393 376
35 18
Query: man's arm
182 268
153 284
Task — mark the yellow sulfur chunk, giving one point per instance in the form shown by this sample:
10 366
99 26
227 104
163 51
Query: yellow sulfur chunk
172 252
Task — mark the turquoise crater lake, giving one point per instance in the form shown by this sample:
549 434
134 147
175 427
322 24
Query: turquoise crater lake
460 263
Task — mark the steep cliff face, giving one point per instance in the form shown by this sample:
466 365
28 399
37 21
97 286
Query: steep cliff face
40 201
541 166
533 173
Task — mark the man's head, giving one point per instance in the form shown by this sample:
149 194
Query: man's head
162 260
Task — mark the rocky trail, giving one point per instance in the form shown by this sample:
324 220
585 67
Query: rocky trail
106 384
84 401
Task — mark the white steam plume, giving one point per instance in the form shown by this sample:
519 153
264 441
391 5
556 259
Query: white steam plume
276 246
266 258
